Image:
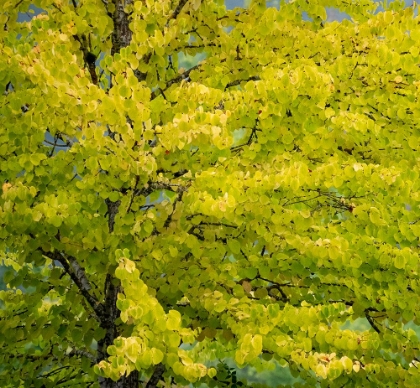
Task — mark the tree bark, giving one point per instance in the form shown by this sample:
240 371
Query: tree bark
156 376
131 381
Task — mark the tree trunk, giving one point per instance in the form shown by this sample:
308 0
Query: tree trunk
121 37
131 381
110 315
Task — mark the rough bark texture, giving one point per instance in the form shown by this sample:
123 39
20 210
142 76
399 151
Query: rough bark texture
131 381
121 36
156 376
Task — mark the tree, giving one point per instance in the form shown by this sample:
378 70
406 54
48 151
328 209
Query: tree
253 206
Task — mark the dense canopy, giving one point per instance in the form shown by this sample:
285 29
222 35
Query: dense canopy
252 206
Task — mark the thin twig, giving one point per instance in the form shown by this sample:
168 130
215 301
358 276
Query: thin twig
175 80
239 81
178 9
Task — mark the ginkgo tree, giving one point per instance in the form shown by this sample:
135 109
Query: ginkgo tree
156 219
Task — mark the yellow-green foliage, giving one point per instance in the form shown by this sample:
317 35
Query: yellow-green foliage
249 206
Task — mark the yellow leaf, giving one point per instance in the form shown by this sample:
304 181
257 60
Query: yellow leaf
356 366
6 186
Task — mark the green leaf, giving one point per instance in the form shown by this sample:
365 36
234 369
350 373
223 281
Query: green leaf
173 320
234 246
172 339
124 91
157 356
37 158
256 344
114 196
148 227
56 221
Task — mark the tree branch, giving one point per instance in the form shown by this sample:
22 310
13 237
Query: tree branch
110 315
238 81
113 208
175 80
156 376
77 274
177 10
372 322
88 57
82 353
153 186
